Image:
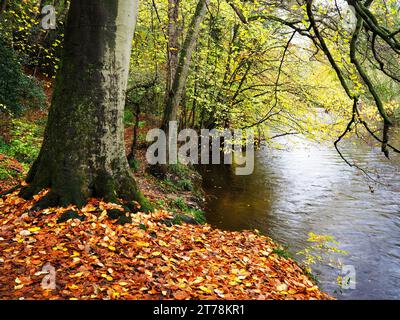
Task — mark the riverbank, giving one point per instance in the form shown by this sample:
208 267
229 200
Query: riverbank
150 258
103 251
178 190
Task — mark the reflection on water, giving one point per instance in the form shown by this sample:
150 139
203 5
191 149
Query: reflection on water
308 188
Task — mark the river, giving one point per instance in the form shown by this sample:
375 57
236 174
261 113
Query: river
306 187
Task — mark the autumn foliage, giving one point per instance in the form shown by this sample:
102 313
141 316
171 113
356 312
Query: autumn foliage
147 259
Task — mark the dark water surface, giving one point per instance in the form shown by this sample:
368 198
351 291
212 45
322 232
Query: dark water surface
306 187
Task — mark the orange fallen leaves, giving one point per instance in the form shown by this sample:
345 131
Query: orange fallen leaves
97 259
181 295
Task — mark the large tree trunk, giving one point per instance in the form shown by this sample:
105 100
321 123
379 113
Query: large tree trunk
83 153
176 92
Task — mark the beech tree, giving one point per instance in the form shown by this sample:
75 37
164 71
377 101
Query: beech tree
83 152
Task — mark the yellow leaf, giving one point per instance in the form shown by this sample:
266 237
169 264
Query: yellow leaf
109 278
162 243
142 244
198 280
73 287
76 275
75 254
149 273
315 288
205 289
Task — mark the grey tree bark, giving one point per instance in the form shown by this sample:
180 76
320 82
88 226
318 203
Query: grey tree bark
176 92
83 152
173 43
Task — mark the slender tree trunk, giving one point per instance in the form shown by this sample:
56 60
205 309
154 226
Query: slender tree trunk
176 93
83 153
183 121
132 151
173 43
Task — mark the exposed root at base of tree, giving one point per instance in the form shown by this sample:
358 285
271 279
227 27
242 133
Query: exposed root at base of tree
68 188
95 258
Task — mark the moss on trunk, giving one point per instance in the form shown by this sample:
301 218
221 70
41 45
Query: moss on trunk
83 153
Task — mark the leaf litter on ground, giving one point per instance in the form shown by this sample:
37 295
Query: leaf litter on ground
95 258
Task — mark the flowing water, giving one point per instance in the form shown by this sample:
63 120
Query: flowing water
306 187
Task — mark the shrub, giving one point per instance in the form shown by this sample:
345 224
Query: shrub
39 49
25 142
323 250
185 184
193 213
129 118
10 169
181 204
18 91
